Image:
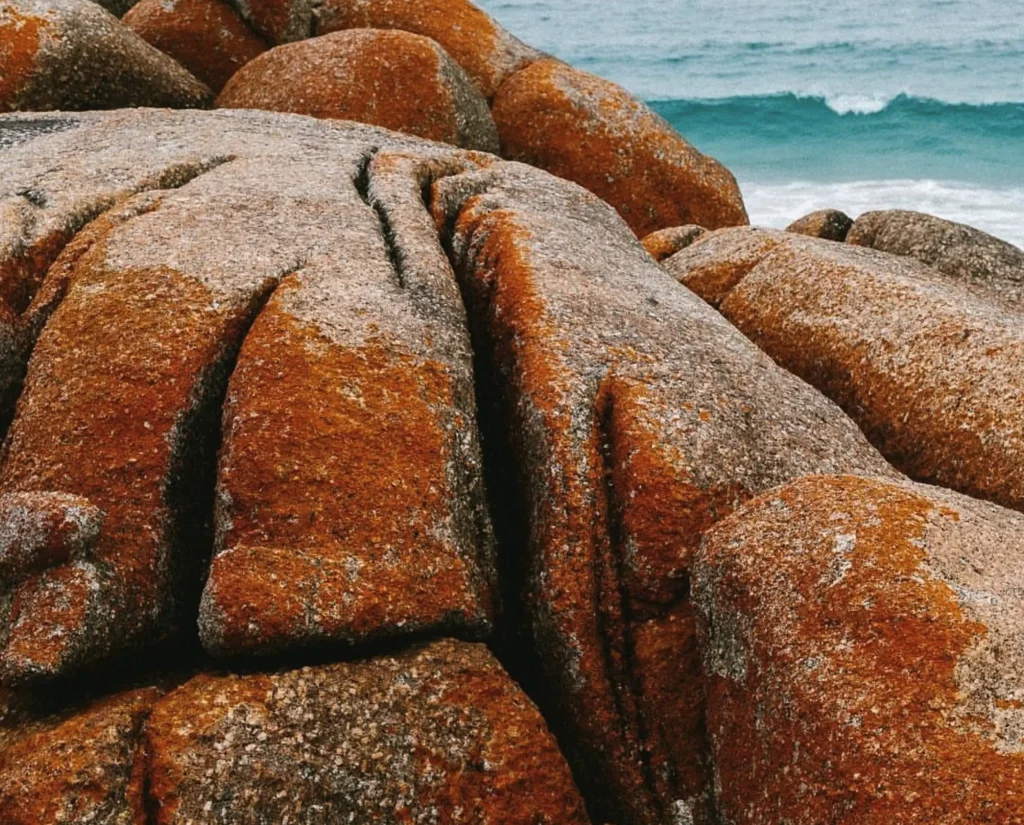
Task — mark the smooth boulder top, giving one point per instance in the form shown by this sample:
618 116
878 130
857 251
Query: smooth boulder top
593 132
435 734
863 645
931 369
73 54
636 417
827 224
393 79
960 252
667 242
207 37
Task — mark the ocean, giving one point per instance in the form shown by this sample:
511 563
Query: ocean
853 104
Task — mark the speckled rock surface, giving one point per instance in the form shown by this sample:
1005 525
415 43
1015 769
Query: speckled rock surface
207 37
717 261
436 735
667 242
827 224
590 131
635 418
487 53
932 370
393 79
865 665
145 311
961 252
73 54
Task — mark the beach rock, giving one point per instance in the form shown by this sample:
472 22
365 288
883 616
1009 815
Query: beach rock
667 242
635 417
393 79
84 766
437 734
73 54
827 224
487 53
590 131
961 252
207 37
221 228
862 642
932 370
719 260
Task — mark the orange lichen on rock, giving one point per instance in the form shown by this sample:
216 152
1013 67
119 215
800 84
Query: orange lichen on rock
622 465
486 52
438 733
667 242
827 224
19 46
592 132
83 768
862 642
207 37
394 79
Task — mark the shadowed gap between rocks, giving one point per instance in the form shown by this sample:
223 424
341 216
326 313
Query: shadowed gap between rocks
362 184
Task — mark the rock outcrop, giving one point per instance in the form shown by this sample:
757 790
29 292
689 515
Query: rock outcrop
862 642
73 54
961 252
667 242
394 79
827 224
590 131
930 369
207 37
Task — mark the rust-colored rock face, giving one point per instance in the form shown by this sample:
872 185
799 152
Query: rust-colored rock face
393 79
73 54
930 369
621 464
487 52
207 37
86 767
862 642
960 252
588 130
667 242
827 224
438 734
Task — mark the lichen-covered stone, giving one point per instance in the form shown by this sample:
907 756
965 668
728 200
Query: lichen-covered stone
207 37
961 252
590 131
862 644
667 242
439 734
636 418
73 54
393 79
827 224
932 370
487 53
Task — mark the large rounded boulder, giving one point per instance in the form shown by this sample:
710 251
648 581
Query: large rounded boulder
394 79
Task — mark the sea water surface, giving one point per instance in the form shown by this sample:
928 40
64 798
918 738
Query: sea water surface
853 104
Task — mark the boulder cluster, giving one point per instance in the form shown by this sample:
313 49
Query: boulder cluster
358 469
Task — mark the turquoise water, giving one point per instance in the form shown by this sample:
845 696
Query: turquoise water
863 105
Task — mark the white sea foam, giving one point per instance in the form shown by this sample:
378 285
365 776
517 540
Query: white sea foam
999 212
857 104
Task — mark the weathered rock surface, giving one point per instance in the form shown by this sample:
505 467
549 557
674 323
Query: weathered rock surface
863 648
667 242
590 131
827 224
487 53
73 54
932 370
393 79
207 37
958 251
372 483
636 418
